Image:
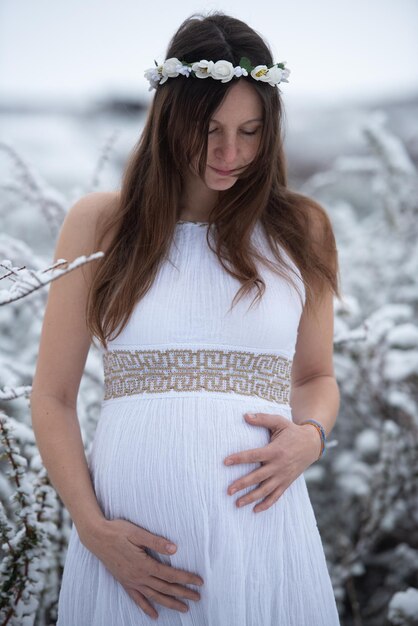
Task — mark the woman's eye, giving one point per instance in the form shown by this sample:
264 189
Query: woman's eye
244 132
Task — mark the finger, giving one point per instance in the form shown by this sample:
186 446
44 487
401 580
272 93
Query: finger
173 589
272 421
270 500
141 537
142 602
253 478
256 455
164 600
172 574
266 488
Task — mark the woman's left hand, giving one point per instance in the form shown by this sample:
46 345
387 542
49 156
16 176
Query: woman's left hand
292 449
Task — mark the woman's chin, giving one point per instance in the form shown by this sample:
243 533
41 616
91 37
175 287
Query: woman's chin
220 184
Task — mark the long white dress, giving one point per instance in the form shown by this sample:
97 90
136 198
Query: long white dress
178 381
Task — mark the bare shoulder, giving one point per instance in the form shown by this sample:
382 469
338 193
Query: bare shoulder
314 346
319 221
65 338
321 234
85 218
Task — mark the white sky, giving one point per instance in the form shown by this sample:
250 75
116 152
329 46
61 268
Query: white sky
335 49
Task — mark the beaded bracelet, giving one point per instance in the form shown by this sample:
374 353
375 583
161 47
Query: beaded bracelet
321 432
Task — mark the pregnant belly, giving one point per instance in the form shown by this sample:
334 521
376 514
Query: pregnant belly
159 457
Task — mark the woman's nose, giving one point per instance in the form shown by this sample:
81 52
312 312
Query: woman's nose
227 150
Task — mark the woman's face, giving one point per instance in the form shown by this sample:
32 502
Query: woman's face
234 136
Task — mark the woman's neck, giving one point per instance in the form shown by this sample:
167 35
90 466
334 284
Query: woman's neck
197 200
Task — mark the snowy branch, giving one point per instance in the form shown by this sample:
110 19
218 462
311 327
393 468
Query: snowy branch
26 281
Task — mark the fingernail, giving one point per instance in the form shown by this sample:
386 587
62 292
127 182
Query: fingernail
171 547
228 462
251 416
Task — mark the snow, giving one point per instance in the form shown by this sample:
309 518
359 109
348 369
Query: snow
367 443
403 608
400 365
27 281
403 336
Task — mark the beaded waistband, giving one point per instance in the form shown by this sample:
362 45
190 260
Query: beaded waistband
130 372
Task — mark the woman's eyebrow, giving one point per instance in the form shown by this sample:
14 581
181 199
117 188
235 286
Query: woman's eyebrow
255 119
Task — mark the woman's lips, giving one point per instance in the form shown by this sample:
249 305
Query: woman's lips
222 172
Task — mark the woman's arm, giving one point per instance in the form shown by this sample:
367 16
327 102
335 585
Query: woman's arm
60 445
63 350
314 389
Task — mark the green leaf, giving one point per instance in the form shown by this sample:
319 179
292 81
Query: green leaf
156 64
246 64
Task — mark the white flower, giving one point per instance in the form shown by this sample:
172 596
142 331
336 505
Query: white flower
170 69
260 73
202 69
153 75
223 71
240 71
185 70
285 75
274 75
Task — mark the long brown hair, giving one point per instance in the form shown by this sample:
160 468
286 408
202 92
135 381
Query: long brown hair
175 133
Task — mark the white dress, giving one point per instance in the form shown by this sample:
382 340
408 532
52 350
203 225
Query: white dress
178 381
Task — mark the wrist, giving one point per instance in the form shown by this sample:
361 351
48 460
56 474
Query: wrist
91 533
318 435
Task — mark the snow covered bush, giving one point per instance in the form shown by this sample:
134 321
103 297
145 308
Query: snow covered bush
403 608
370 482
34 525
29 529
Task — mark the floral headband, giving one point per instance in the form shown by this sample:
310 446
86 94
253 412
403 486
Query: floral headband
219 70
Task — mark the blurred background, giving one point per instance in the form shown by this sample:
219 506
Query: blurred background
71 75
73 99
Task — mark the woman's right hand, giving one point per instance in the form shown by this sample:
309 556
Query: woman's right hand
121 546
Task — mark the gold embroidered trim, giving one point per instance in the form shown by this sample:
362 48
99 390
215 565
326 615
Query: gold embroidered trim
129 372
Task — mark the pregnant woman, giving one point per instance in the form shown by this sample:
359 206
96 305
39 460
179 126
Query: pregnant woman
213 310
